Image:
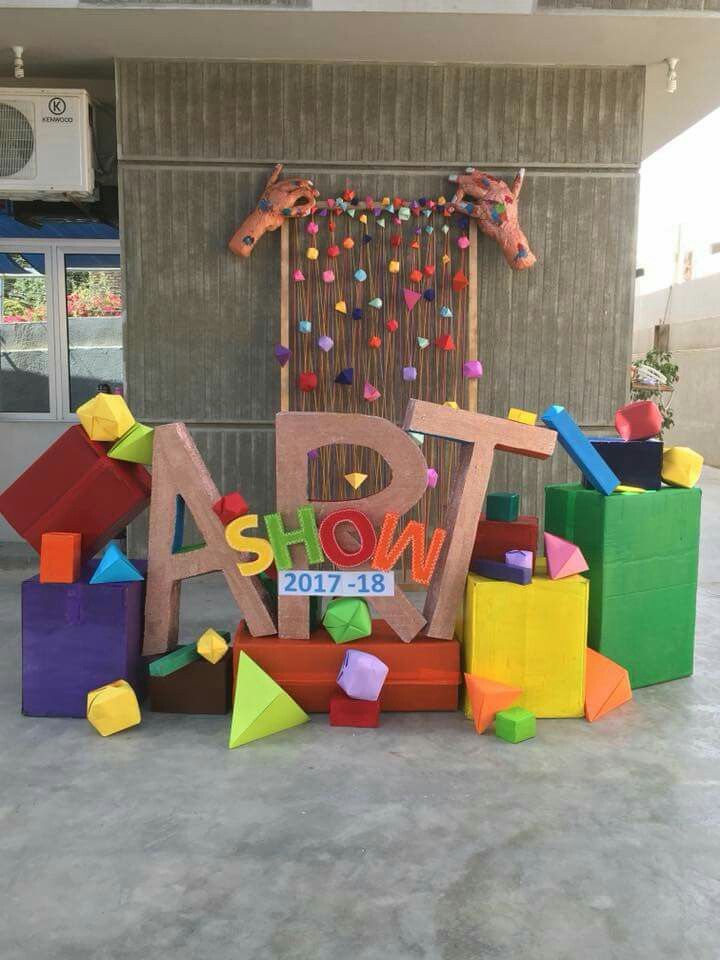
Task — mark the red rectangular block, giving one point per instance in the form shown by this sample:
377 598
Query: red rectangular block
346 712
495 537
60 557
75 486
423 675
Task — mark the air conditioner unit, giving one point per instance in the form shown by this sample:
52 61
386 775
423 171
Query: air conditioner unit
45 143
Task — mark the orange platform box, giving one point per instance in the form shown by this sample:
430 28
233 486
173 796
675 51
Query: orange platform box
423 675
60 557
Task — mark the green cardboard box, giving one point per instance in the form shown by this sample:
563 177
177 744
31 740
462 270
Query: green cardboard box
642 551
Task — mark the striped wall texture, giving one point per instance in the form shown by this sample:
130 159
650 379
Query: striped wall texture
195 144
651 6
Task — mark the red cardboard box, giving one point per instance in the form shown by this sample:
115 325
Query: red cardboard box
424 674
346 712
75 486
495 537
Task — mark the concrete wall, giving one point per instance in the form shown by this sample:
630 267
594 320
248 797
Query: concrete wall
648 6
196 141
695 344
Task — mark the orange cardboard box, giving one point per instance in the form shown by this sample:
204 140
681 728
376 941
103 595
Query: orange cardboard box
60 557
424 674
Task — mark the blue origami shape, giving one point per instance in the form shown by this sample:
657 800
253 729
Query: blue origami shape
357 313
345 377
114 567
579 449
429 294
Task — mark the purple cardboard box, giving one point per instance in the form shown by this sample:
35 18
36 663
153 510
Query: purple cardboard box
76 637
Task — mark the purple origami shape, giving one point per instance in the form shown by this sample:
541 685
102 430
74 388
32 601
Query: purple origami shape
472 369
519 558
409 373
313 454
432 477
77 637
325 343
282 354
362 675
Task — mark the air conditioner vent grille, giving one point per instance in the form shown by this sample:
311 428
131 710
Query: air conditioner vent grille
16 140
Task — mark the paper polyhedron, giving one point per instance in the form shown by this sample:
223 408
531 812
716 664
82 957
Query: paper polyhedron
522 416
472 369
211 646
362 675
563 558
114 567
282 354
515 725
607 685
135 446
105 417
230 506
261 706
347 618
370 392
345 377
488 697
356 480
681 467
411 297
113 707
640 420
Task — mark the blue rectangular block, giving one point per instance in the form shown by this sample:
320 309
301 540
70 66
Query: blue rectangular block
494 570
580 449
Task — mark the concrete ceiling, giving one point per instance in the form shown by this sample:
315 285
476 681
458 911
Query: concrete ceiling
83 42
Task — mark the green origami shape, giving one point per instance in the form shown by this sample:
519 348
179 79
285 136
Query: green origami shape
175 660
261 706
135 446
515 724
347 618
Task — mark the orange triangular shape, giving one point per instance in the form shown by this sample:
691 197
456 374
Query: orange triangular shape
607 686
487 697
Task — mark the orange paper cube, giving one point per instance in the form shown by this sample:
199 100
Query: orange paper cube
487 698
607 685
60 557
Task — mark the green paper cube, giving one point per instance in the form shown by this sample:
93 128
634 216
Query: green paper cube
515 724
347 618
643 557
502 506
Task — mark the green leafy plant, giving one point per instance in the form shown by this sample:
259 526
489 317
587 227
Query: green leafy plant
662 392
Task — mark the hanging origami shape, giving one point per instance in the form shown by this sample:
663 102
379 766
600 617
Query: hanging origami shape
348 243
423 342
360 275
445 228
348 194
409 373
459 281
367 238
418 438
395 239
351 212
341 306
328 276
415 276
356 480
371 393
446 258
325 343
411 298
391 325
380 222
282 354
403 213
363 218
415 245
312 227
345 377
463 242
432 477
298 276
357 313
307 381
375 302
445 342
429 269
304 326
333 251
472 369
394 266
374 342
313 454
429 294
312 253
446 312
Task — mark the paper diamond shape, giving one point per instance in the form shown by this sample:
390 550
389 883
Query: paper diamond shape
411 297
487 698
563 558
114 567
607 685
356 480
325 343
261 706
370 392
282 354
345 377
360 275
423 342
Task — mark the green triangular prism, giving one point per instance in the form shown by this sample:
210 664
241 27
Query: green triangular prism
135 446
261 706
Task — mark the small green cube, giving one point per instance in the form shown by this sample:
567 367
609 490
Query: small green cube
347 618
502 506
515 725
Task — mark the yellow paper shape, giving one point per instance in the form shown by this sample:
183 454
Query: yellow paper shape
446 258
312 253
113 708
363 218
212 646
356 480
106 417
451 403
394 266
341 306
623 488
522 416
533 637
261 706
681 467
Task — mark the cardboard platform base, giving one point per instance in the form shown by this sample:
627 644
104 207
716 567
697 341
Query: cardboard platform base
424 674
199 687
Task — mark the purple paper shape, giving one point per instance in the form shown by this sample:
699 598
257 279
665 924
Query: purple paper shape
472 369
325 343
282 354
77 637
519 558
362 675
432 477
409 373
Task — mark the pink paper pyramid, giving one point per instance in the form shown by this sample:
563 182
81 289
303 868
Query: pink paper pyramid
370 392
411 297
563 558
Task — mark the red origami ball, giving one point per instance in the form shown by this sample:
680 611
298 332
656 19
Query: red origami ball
392 325
415 276
307 381
374 342
333 251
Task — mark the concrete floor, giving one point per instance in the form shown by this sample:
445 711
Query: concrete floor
417 840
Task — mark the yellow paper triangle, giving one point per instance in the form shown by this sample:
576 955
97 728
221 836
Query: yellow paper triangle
341 306
356 480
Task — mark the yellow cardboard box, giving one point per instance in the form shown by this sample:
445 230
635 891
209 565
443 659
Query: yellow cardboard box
533 637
